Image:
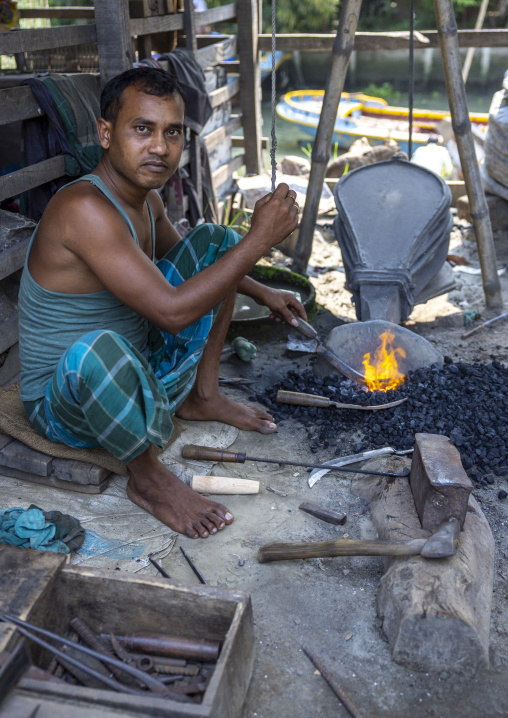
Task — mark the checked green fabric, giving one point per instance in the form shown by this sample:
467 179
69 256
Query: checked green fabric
104 392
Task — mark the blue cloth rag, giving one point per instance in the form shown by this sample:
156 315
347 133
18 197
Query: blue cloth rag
29 529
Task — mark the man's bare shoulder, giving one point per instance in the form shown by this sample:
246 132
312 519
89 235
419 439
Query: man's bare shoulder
81 211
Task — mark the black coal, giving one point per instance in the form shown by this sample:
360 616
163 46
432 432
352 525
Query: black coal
467 402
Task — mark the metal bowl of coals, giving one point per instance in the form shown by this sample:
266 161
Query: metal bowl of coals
247 312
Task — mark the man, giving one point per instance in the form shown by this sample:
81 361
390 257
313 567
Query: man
112 344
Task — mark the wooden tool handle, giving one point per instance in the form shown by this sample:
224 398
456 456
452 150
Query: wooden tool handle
223 485
295 397
303 327
339 547
320 512
207 453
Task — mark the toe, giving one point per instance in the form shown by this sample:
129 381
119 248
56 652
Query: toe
191 532
267 427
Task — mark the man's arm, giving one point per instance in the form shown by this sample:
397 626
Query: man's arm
100 240
284 303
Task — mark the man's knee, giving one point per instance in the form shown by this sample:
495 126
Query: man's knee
93 357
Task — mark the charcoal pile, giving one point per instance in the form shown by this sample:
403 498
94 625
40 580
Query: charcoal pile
467 402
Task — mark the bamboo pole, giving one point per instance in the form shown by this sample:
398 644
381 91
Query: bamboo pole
470 52
447 30
341 52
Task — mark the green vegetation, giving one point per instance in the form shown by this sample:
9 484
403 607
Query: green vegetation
385 91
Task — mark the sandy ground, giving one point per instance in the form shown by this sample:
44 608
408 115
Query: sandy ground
329 604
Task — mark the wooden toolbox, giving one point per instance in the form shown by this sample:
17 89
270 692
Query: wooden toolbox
41 588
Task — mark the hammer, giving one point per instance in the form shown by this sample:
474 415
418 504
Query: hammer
442 544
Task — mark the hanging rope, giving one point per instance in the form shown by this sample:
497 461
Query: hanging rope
411 76
274 138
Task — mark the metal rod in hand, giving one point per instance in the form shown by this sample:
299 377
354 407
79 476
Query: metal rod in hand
341 52
448 38
346 702
193 567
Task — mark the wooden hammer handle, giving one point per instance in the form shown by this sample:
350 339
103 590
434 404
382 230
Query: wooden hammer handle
207 453
339 547
223 485
299 399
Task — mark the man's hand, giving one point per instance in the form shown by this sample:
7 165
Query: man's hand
285 304
275 216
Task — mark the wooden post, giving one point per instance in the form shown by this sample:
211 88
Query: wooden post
250 84
191 44
341 52
113 37
447 30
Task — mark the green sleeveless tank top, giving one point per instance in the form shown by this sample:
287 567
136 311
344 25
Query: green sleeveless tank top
49 322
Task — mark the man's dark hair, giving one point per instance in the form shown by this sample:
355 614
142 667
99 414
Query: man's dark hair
151 80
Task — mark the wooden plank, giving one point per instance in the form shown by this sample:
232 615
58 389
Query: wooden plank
14 183
9 332
223 94
4 440
216 14
238 142
113 37
157 23
13 258
250 77
46 38
216 54
78 472
17 455
18 103
369 41
53 481
26 576
232 66
212 139
60 13
224 172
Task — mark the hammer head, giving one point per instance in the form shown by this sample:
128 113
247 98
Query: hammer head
444 542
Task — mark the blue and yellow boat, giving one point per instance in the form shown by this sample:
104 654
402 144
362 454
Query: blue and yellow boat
360 115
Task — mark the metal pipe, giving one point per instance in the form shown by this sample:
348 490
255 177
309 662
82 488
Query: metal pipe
341 52
147 680
448 38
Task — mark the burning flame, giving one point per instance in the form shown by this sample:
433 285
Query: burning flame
383 374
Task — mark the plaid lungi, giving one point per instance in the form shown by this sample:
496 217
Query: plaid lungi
104 392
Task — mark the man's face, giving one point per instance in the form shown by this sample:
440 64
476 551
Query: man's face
146 141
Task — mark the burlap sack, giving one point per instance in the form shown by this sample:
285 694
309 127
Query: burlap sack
14 422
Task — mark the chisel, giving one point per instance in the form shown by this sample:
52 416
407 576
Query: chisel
299 399
207 453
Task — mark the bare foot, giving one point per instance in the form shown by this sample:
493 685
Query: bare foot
157 490
218 407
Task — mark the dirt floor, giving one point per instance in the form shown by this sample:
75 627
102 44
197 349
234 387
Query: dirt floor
329 605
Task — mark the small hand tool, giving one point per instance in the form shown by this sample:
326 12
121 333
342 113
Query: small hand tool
299 399
159 568
346 702
193 567
353 459
320 512
442 544
206 453
309 332
30 631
